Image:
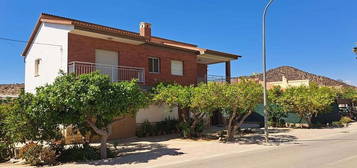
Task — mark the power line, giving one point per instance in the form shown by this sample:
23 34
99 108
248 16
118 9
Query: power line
22 41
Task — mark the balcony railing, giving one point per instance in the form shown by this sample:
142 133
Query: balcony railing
215 78
115 73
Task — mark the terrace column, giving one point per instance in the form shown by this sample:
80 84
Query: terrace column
228 71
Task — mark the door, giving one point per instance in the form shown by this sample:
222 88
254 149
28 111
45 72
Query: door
107 63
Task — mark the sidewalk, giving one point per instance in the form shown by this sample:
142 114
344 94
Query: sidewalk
164 150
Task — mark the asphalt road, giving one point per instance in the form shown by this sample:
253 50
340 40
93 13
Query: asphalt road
337 151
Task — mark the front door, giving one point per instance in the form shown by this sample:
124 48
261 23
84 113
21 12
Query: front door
107 63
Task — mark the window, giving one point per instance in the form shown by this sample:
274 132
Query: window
37 67
177 68
154 65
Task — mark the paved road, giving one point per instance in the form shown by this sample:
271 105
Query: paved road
338 151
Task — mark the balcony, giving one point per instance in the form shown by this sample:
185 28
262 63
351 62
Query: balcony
115 73
211 78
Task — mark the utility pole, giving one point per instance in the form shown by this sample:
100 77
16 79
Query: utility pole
264 75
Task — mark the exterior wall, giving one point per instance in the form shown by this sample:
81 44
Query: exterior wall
53 58
123 129
82 48
285 83
156 113
202 72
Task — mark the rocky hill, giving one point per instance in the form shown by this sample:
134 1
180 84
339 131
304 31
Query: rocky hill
10 90
292 73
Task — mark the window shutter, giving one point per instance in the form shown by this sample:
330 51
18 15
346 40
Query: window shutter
176 67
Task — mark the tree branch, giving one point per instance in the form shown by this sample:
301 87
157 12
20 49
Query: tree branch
242 119
96 129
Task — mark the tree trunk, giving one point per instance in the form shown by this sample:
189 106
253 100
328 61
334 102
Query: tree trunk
103 147
243 119
104 134
230 130
309 122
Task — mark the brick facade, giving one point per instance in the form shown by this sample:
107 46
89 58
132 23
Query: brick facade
82 48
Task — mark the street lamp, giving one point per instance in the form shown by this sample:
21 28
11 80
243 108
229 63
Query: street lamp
264 75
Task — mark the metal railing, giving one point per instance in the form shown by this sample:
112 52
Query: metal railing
216 78
211 78
115 73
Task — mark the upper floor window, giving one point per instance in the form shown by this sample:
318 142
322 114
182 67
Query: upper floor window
154 65
176 67
37 67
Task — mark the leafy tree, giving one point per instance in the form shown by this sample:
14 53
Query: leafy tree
276 111
308 101
238 100
5 141
199 101
173 95
347 93
203 102
91 99
26 121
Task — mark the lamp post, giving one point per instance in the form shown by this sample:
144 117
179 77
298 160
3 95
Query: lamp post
264 75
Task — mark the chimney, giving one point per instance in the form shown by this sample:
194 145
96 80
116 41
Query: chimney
145 30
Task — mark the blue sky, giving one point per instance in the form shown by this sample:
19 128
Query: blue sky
313 35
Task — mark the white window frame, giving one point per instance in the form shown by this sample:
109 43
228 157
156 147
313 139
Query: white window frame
37 67
158 66
173 70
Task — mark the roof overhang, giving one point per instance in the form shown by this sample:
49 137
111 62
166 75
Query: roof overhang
106 36
212 57
204 56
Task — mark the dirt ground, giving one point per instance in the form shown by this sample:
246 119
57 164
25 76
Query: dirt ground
165 150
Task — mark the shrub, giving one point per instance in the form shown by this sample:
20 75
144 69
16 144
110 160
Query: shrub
337 124
199 128
185 129
166 126
48 156
25 148
140 132
5 151
345 120
79 153
58 148
32 155
171 125
147 128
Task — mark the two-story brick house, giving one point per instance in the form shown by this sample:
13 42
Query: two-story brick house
73 46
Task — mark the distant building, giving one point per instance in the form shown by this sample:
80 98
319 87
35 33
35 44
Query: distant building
285 83
286 76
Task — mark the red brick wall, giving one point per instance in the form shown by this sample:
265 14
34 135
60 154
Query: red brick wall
82 48
201 70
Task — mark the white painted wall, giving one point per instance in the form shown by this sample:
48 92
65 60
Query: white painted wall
53 58
156 113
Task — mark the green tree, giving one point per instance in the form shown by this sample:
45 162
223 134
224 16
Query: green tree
238 100
199 101
173 95
347 93
276 111
26 121
308 101
203 102
91 99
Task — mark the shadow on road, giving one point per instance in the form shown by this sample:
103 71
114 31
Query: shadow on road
132 153
260 139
